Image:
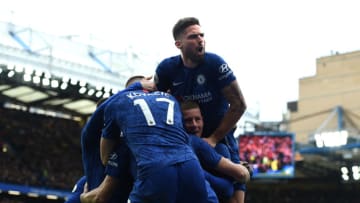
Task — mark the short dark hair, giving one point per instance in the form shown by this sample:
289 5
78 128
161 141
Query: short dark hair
186 105
182 24
133 79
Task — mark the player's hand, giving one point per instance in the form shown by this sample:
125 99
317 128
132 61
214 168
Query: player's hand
210 140
86 188
248 167
148 84
82 196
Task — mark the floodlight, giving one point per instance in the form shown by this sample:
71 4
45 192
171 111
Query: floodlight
344 170
82 90
45 81
36 79
27 77
63 86
345 177
11 73
54 83
99 94
91 92
106 95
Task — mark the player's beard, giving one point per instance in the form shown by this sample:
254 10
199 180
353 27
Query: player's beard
197 56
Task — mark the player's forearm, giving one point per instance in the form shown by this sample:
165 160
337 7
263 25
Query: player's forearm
237 171
106 147
229 121
237 107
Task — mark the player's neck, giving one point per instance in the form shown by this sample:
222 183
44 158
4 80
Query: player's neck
189 63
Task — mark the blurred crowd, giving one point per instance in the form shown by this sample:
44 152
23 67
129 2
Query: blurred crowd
38 150
266 153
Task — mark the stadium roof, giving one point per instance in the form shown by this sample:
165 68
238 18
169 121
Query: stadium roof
44 94
51 73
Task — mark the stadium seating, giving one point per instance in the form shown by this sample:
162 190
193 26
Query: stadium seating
39 151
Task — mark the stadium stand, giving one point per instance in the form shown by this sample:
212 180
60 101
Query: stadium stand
53 141
39 151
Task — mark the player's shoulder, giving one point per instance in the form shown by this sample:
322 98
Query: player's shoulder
170 62
195 140
115 101
217 66
213 61
210 56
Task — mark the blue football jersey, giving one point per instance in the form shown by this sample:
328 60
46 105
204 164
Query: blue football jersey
202 84
90 142
151 124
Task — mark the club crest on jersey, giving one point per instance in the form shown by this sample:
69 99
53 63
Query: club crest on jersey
224 68
200 79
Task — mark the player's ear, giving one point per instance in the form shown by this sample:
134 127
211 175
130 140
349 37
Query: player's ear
178 44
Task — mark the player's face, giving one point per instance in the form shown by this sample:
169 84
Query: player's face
193 43
193 121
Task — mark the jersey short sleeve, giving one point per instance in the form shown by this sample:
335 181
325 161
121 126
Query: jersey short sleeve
119 162
207 156
164 73
222 149
222 73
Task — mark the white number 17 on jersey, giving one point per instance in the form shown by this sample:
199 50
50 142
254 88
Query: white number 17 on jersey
149 116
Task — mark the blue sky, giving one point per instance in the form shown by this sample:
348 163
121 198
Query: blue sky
269 45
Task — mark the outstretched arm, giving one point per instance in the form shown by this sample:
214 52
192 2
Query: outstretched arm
209 158
237 171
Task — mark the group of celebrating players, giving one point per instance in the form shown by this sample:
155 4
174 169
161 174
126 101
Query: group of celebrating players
170 140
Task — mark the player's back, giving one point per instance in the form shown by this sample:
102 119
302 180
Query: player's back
152 126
